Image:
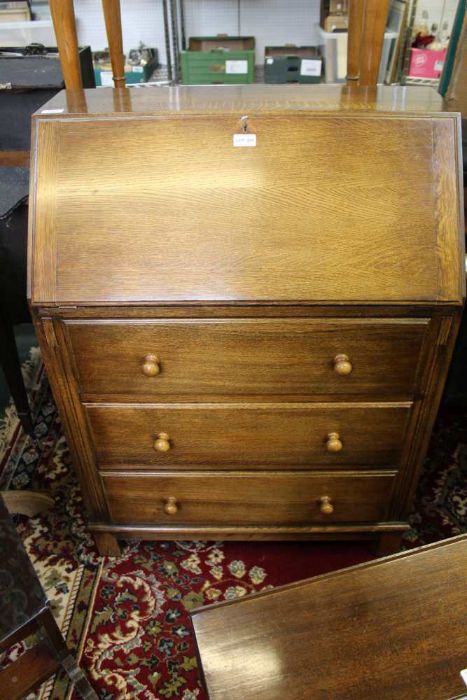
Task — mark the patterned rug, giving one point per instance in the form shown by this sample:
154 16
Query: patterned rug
126 619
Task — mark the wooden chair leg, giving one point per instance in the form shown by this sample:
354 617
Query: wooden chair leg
69 664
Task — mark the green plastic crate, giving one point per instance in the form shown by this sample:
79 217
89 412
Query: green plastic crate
227 60
292 64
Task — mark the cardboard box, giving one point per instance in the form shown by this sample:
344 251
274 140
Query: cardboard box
15 11
133 74
336 23
425 63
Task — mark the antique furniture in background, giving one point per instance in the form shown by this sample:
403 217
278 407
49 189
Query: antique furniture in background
25 611
391 629
367 22
247 341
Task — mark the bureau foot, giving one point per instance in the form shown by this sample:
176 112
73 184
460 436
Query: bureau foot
389 543
107 544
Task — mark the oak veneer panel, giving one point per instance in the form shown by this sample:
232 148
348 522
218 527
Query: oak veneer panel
296 218
199 99
247 499
394 629
241 357
246 271
247 435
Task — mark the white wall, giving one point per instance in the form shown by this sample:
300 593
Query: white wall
439 11
270 21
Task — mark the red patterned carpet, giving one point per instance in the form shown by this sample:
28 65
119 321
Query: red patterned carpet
127 618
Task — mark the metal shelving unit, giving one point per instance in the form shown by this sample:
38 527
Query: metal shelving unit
177 38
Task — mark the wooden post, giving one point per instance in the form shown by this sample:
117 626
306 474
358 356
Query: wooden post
63 17
356 14
122 100
376 16
113 26
367 22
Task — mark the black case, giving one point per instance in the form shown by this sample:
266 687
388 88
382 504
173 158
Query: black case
26 83
13 242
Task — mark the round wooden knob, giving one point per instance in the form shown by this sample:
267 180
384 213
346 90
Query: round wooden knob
151 366
161 443
334 443
342 365
325 505
171 506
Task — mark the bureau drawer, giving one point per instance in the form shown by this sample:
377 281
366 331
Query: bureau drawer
248 499
248 435
230 357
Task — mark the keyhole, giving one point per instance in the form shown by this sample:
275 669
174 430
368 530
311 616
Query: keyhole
244 121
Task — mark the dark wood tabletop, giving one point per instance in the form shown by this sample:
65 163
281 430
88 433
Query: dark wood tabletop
395 628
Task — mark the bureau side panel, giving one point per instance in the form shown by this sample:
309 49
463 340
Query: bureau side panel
72 416
438 357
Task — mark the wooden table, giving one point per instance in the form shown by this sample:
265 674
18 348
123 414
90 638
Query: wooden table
25 611
394 628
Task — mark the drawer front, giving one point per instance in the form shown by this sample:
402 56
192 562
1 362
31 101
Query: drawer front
248 499
247 357
248 435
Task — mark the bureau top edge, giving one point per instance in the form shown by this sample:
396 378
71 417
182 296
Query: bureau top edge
223 99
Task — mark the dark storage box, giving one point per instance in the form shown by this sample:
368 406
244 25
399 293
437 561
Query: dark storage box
292 64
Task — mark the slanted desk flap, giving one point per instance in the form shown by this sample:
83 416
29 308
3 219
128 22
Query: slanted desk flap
345 207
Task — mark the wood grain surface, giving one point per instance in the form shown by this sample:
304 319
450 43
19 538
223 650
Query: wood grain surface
187 99
392 629
292 219
248 435
247 329
248 356
248 499
63 17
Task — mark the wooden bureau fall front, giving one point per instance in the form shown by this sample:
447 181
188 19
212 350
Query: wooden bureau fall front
247 341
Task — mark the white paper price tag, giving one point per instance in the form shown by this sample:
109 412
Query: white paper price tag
236 67
244 140
52 111
310 67
106 78
137 69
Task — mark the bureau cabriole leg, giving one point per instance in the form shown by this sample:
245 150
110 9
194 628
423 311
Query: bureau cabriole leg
388 543
107 544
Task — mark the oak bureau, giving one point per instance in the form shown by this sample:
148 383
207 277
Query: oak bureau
247 299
